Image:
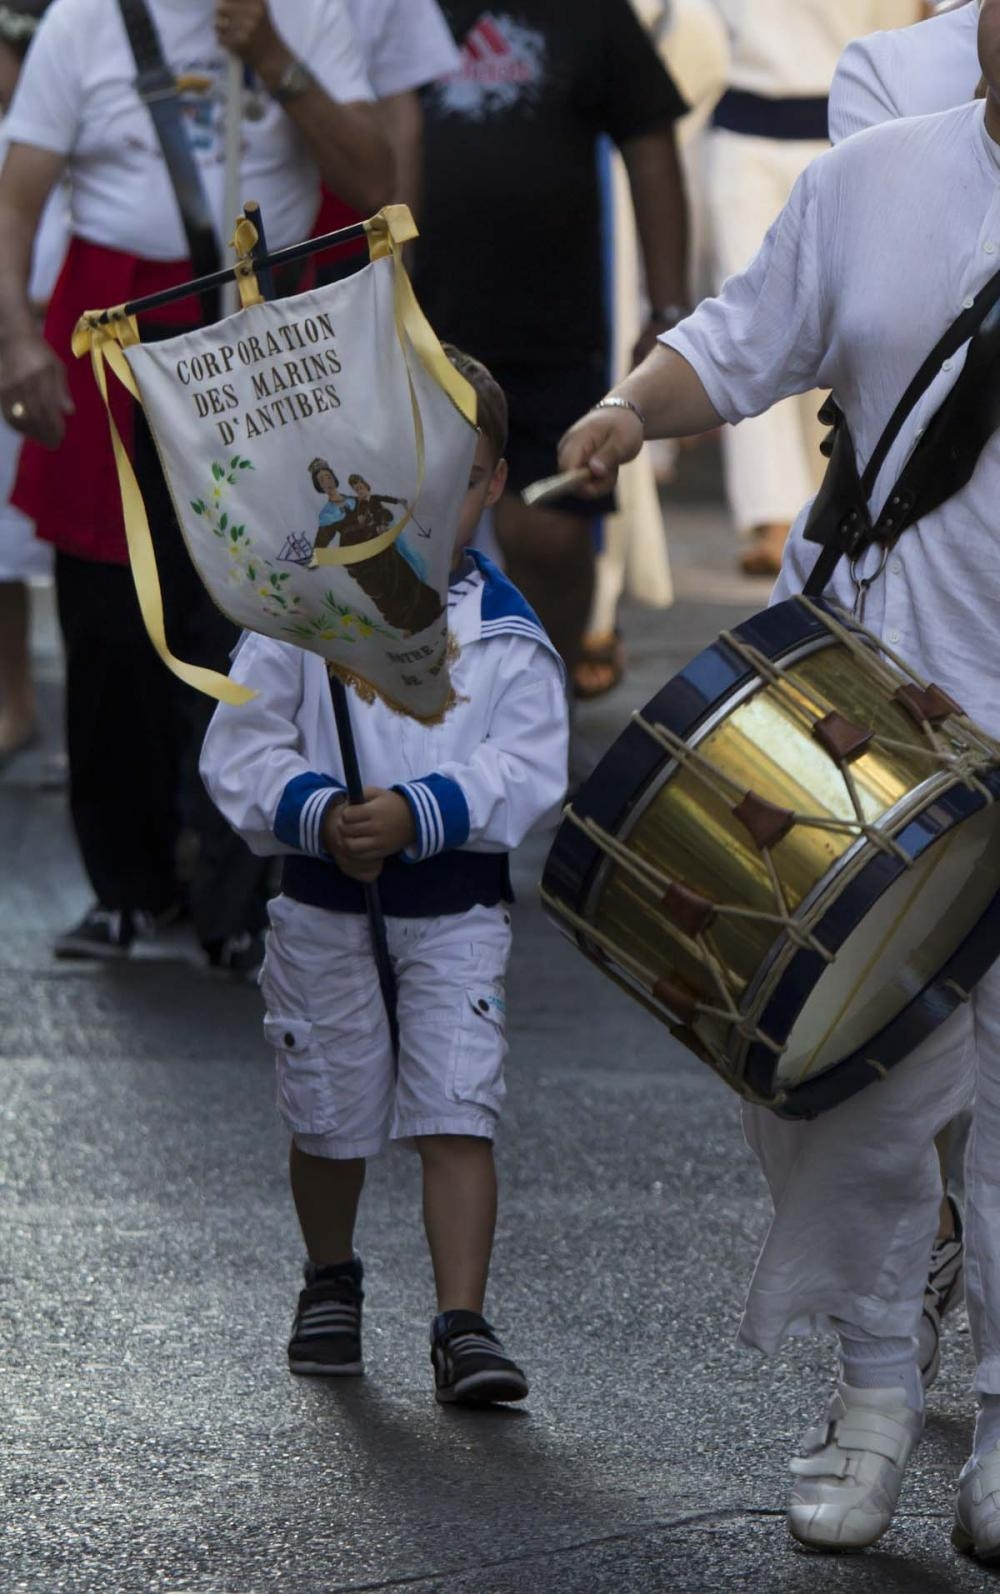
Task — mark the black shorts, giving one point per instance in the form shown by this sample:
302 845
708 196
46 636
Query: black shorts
544 402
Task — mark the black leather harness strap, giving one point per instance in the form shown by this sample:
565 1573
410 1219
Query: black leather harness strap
942 461
157 89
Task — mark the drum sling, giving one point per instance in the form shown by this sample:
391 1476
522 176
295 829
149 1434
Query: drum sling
941 463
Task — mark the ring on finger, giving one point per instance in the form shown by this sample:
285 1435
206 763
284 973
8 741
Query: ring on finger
17 411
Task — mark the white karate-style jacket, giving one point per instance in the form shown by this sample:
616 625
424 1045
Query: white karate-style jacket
916 71
476 783
884 241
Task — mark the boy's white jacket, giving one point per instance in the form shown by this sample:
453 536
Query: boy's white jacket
495 767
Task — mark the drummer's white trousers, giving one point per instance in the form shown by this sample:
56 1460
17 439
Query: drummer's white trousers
856 1195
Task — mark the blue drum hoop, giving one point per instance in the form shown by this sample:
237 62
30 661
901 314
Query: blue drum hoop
709 684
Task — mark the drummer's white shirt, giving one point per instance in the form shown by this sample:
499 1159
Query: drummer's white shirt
913 71
882 242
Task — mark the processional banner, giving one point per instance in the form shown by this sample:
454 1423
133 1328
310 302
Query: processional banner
317 449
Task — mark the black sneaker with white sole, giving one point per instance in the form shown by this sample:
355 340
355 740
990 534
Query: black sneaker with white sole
471 1367
102 933
326 1332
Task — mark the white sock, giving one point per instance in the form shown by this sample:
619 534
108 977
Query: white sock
874 1361
987 1424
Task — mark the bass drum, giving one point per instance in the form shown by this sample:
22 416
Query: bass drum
791 857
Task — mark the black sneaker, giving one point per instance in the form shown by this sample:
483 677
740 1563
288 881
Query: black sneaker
240 955
101 933
326 1333
471 1367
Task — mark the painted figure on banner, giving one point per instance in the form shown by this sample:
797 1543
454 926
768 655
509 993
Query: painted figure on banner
394 580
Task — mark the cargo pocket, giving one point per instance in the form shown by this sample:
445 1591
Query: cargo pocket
480 1047
303 1089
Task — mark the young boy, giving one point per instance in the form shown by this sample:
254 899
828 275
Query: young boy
446 804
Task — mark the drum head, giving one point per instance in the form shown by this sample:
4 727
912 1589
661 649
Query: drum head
909 934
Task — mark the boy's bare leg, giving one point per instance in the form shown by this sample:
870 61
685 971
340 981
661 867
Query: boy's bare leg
549 555
946 1224
326 1195
460 1213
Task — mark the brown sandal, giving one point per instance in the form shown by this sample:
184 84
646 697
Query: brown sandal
763 555
600 667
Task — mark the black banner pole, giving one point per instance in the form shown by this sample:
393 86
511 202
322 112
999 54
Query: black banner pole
216 279
341 707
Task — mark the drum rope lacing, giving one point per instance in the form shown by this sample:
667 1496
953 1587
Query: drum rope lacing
807 706
713 1054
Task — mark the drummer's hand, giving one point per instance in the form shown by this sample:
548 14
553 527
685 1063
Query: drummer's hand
379 827
602 441
245 28
34 393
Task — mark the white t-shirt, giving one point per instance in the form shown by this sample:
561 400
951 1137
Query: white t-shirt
911 72
405 44
76 97
884 240
786 48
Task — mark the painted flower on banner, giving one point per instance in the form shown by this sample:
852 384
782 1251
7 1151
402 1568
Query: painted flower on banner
327 619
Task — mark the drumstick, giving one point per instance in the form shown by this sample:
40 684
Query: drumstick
555 486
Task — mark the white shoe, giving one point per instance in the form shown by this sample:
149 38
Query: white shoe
849 1472
977 1509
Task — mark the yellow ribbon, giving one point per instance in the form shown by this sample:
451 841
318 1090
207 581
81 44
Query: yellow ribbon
387 232
105 334
105 343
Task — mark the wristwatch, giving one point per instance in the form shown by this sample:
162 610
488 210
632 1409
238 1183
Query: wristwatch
296 79
667 318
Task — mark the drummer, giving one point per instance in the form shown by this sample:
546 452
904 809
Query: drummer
883 240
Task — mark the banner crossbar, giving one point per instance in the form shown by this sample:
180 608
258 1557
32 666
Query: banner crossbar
216 279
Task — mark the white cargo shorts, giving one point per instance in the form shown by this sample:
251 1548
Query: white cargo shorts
339 1091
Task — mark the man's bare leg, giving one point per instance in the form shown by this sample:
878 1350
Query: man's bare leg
550 555
17 695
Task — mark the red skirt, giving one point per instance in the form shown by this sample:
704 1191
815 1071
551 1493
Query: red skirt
71 493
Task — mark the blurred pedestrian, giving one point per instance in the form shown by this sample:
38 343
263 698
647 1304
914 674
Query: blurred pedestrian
405 44
767 127
633 556
512 141
22 558
142 209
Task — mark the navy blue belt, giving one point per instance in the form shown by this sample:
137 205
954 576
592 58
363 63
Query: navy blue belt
450 882
739 111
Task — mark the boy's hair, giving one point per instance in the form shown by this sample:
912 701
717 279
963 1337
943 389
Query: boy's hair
492 400
358 481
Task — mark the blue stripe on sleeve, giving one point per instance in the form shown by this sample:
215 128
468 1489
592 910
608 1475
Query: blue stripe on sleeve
299 817
440 814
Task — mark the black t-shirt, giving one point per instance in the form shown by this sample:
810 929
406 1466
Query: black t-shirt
509 258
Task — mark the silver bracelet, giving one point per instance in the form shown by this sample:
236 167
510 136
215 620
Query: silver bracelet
613 402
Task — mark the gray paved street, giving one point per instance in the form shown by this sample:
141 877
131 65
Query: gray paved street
151 1438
